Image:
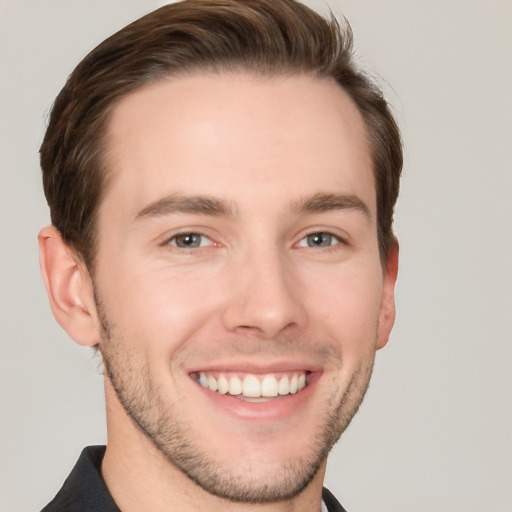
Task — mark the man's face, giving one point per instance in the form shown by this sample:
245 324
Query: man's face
237 257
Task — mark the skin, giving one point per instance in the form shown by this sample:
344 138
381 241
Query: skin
257 167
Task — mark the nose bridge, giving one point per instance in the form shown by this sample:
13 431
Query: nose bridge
264 297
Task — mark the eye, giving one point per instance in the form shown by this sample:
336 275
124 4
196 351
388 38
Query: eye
189 241
321 239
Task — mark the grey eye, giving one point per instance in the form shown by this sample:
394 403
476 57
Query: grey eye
320 240
187 240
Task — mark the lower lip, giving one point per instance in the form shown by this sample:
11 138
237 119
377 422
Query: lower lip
280 408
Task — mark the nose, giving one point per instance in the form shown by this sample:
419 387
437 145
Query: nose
264 297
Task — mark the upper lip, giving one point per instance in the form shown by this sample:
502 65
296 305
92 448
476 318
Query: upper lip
256 367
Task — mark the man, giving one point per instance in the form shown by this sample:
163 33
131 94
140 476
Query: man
221 180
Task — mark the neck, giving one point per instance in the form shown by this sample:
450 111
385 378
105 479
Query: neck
140 478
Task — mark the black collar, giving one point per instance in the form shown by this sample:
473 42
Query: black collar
84 488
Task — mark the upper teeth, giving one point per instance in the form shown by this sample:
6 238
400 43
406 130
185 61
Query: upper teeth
254 385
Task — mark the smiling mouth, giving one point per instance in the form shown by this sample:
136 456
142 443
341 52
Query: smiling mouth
253 386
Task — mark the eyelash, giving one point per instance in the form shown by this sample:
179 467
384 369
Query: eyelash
333 240
188 234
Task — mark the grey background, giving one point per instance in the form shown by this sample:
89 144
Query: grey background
434 433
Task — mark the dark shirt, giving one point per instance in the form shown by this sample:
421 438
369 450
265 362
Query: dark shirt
85 491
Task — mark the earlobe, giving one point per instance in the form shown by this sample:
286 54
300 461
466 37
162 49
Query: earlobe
387 306
69 288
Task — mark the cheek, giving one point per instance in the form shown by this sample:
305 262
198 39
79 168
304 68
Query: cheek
348 305
156 310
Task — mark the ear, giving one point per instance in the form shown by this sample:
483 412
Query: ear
69 288
387 305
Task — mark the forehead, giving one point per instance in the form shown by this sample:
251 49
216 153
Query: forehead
237 136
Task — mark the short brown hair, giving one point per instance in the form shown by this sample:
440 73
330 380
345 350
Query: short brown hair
270 37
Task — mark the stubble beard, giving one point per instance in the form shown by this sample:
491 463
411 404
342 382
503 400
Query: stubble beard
135 390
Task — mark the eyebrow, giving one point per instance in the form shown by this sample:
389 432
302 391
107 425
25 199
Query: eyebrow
324 202
206 205
201 205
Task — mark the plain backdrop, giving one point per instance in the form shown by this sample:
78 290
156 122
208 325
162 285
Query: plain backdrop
435 431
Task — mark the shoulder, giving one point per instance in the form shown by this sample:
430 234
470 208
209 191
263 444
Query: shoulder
84 489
